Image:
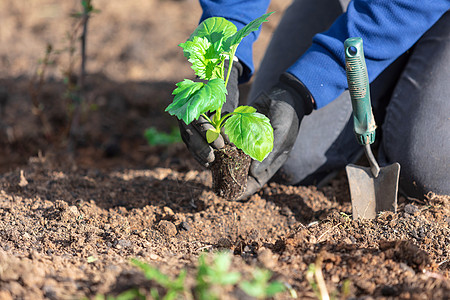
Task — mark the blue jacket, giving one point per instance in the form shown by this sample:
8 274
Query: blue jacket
387 27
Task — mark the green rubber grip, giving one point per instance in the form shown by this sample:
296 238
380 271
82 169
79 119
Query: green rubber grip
358 85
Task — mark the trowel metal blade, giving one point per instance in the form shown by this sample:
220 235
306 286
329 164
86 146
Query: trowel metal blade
372 195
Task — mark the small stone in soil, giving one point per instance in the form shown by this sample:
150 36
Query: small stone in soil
286 211
123 244
185 226
267 258
388 290
167 228
5 295
168 211
411 209
224 243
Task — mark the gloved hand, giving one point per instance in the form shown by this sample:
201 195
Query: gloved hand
285 105
194 134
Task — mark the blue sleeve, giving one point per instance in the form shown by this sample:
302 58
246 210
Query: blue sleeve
240 13
388 29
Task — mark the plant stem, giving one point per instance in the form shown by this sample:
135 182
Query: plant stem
83 38
230 65
207 118
223 118
75 123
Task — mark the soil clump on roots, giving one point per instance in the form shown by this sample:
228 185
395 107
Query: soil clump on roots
229 172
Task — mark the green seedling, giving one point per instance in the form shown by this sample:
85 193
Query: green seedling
155 137
212 42
174 287
131 294
212 281
260 287
211 277
346 217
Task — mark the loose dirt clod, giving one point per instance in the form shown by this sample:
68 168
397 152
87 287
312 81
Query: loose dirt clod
224 243
167 228
229 172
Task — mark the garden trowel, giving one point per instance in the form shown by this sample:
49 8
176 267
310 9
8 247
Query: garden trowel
372 189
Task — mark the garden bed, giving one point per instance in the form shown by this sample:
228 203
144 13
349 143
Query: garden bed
70 222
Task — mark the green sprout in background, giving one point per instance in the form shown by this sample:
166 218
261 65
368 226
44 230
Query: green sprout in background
155 137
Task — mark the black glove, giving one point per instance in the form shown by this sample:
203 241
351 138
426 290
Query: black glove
194 134
285 105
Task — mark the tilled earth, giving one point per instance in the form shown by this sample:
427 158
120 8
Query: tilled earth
70 232
71 221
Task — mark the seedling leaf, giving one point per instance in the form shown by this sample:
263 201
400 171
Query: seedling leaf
260 287
195 98
202 55
254 25
275 288
214 40
174 287
155 137
217 30
217 274
152 273
251 289
131 294
250 131
211 135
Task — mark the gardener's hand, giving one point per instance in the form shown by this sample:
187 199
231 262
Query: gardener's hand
194 134
285 105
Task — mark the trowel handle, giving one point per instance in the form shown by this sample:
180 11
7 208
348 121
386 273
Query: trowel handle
358 85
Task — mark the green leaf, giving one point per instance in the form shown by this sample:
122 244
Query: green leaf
222 262
252 289
275 288
217 30
178 283
229 278
211 135
195 98
203 57
152 273
171 295
260 287
250 131
131 294
155 137
254 25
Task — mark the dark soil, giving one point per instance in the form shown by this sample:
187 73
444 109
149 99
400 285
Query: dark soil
229 172
71 222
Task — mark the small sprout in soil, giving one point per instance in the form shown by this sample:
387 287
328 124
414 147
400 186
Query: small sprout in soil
346 217
213 279
155 137
212 42
260 287
131 294
174 287
210 278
